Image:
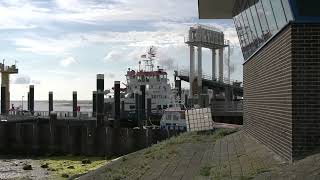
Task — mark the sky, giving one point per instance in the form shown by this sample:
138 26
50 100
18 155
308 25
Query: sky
60 45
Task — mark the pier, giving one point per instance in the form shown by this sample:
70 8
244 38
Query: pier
95 133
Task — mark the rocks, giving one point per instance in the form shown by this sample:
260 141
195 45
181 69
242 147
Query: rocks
65 175
46 165
86 161
27 167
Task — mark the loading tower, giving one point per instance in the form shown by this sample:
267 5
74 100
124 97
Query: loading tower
5 81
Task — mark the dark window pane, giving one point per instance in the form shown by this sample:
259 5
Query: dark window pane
278 13
264 24
287 10
270 16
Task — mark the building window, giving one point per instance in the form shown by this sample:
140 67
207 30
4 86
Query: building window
263 21
287 10
257 21
273 27
278 13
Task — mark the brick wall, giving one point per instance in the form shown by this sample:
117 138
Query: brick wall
282 92
268 96
306 87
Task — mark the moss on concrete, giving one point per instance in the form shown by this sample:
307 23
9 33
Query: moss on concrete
63 167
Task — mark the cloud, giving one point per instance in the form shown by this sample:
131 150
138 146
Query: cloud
113 56
67 61
110 75
36 82
22 79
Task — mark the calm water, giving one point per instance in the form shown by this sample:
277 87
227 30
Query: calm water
85 106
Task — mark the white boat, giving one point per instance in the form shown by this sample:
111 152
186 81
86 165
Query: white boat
174 118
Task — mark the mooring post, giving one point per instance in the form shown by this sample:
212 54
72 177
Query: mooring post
178 87
149 108
117 103
50 102
143 101
94 103
74 103
137 104
186 100
31 91
3 101
52 121
100 108
100 82
122 107
28 101
35 137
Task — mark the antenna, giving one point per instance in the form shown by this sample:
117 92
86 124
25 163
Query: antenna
139 65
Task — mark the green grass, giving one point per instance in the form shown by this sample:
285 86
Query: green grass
136 165
71 165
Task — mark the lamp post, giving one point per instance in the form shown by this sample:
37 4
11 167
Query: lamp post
22 103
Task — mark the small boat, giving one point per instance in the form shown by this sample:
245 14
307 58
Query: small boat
174 118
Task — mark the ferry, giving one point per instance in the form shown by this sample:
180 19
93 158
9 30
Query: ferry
156 81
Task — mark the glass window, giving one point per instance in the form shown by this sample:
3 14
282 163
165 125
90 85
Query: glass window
252 29
270 16
247 33
287 10
239 32
257 24
246 27
278 13
264 24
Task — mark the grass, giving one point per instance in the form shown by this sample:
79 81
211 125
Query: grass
63 167
136 165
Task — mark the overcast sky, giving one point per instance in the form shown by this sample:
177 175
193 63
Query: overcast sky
61 45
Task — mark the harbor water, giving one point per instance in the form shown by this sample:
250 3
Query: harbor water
85 106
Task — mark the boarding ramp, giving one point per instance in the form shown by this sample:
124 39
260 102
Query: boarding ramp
214 84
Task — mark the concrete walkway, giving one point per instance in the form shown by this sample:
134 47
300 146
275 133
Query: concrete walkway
207 156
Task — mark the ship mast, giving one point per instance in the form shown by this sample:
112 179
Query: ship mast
149 58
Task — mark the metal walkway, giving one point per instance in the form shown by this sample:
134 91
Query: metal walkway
213 84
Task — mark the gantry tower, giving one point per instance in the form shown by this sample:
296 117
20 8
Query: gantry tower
5 83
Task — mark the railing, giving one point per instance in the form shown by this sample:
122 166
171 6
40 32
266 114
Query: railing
187 40
45 114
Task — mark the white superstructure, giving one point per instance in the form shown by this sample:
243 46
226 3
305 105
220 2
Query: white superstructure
156 81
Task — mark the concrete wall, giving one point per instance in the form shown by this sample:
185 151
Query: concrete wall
282 92
62 137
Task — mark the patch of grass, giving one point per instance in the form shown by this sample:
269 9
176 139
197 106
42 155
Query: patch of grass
58 165
205 171
225 132
246 178
262 170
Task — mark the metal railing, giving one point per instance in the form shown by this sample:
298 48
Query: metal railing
46 114
187 40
